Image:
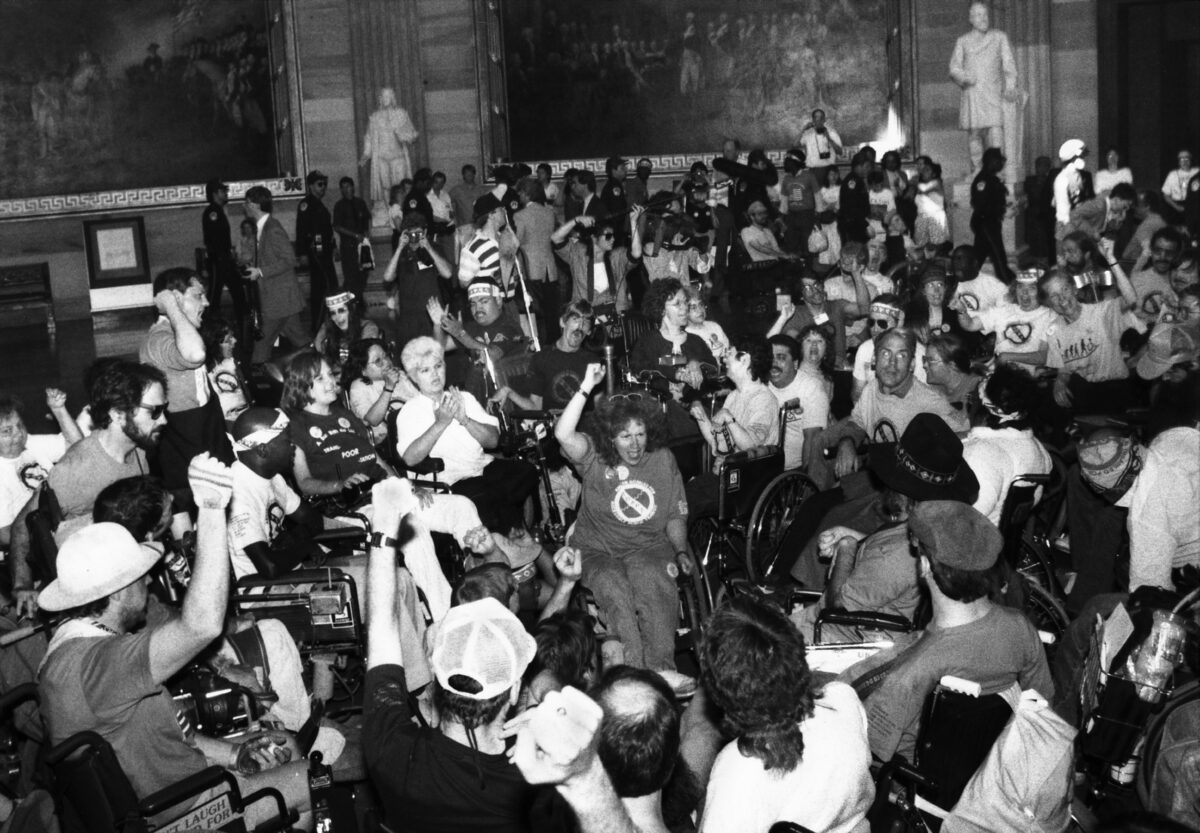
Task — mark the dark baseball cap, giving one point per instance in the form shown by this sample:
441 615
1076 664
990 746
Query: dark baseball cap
615 161
486 205
315 176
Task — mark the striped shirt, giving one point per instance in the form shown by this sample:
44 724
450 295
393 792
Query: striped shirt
480 258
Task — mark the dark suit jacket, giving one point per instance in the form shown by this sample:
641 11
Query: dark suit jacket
278 285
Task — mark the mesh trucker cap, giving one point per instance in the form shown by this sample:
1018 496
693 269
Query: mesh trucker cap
480 645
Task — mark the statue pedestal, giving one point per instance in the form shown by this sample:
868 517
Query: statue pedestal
958 213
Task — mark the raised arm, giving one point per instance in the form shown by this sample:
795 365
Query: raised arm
176 642
390 499
187 337
574 444
56 400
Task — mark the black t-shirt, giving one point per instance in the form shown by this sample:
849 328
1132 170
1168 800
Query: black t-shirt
505 332
335 446
427 782
555 375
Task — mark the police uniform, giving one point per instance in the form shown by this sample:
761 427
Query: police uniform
353 214
854 209
616 201
314 237
222 266
989 202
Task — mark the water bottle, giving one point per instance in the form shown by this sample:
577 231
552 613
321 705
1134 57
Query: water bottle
610 368
1150 667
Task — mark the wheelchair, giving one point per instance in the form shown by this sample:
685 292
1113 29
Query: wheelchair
957 731
97 797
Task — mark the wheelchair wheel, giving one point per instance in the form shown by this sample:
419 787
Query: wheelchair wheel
777 506
1044 611
1036 564
694 610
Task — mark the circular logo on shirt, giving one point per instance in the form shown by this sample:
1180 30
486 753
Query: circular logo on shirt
33 475
1152 303
633 502
1018 332
1195 184
885 432
303 206
212 215
851 184
226 382
343 423
622 472
616 192
969 301
316 433
981 186
672 569
564 385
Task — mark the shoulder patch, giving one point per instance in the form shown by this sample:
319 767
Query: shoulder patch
617 192
851 183
981 186
303 206
212 215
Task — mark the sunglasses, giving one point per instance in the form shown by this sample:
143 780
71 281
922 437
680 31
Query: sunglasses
880 322
608 235
155 411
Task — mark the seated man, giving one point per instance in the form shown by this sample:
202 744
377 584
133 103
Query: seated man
452 426
128 403
492 333
26 459
886 313
969 636
457 776
105 673
800 753
806 422
554 374
875 572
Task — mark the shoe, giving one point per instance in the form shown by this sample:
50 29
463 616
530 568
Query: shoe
681 684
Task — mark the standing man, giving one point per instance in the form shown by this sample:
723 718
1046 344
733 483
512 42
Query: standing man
613 195
314 237
352 221
195 421
854 202
222 265
637 190
1069 183
983 66
275 272
821 143
989 204
480 256
463 196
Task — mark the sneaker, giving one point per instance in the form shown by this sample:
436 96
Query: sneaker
681 684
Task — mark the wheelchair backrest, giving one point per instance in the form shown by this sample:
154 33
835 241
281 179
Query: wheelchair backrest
97 793
744 475
41 523
957 732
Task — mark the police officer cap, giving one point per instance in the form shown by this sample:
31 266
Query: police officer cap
315 177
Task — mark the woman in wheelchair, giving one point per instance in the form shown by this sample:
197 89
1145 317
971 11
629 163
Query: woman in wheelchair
374 385
632 525
748 419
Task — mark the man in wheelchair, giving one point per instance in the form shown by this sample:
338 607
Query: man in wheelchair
105 672
969 636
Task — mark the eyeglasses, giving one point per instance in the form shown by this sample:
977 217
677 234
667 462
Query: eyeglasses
608 235
155 411
880 322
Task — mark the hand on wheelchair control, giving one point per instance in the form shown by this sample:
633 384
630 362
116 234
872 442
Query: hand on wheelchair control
263 752
686 565
211 481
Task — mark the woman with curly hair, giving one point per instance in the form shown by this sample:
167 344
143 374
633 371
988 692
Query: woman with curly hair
799 751
343 326
632 524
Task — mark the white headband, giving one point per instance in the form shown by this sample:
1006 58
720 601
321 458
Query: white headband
338 300
262 436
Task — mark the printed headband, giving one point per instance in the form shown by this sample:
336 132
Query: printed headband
886 309
1029 275
483 289
262 436
341 299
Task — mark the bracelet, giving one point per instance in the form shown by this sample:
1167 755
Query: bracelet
389 390
378 539
584 393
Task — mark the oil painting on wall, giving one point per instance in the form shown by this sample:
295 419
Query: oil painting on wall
681 76
131 94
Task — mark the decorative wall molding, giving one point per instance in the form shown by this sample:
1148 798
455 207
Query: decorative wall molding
141 199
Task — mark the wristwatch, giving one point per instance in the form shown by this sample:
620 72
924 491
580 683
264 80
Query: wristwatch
378 539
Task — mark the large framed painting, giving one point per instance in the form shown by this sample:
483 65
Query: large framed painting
116 104
572 83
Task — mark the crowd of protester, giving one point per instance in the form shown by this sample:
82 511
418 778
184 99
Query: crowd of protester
534 684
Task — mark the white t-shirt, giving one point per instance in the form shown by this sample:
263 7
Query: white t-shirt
20 475
256 511
829 790
1152 291
984 292
998 456
764 241
1104 179
1017 331
1091 346
462 455
814 413
1176 183
884 416
713 335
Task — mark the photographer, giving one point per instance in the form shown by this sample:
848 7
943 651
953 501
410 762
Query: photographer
414 275
821 143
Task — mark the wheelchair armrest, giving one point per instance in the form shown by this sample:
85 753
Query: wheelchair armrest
16 696
430 465
1033 479
338 534
190 787
898 770
859 619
